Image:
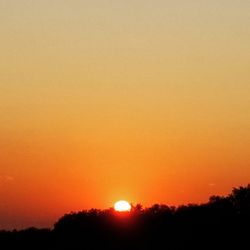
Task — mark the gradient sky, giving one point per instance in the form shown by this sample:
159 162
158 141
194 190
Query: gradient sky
100 100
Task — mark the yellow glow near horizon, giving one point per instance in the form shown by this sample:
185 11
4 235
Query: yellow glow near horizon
122 206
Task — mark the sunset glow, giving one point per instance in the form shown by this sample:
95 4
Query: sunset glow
144 100
122 206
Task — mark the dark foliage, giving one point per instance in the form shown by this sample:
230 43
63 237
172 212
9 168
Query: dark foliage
222 223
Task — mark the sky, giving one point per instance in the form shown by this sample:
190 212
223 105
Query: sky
143 100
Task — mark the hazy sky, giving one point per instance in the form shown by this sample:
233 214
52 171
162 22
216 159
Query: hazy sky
100 100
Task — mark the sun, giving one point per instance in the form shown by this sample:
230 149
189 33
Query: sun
122 206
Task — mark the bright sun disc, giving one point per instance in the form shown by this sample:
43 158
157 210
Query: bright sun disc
122 206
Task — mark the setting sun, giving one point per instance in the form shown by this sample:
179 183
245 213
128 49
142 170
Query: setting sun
122 206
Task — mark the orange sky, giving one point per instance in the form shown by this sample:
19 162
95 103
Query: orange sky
144 100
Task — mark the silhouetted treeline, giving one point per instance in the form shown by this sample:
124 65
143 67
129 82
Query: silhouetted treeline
222 223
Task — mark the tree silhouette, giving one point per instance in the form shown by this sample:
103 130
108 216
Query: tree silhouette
221 223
